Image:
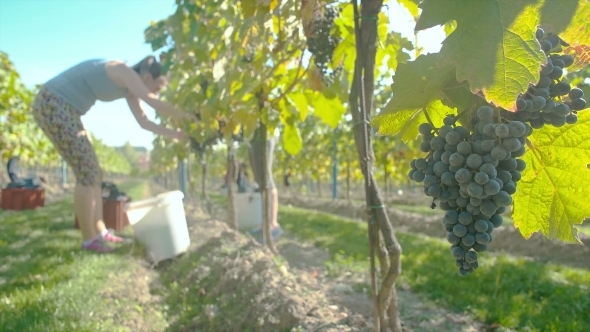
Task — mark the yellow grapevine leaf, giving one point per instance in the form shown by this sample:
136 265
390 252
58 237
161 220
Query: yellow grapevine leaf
554 192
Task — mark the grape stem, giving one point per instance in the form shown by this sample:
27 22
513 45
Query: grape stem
429 120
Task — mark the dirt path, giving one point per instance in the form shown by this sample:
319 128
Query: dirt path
506 238
340 300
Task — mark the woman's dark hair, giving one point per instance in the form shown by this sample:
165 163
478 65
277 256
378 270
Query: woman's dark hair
149 65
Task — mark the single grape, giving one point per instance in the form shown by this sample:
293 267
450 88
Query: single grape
502 198
429 180
521 104
452 137
520 165
468 240
482 238
487 145
456 159
434 191
516 175
571 118
550 106
492 187
489 169
437 143
448 178
576 93
539 101
505 176
449 120
562 110
497 220
488 208
478 247
421 163
563 88
418 176
547 68
558 121
481 178
509 187
546 46
458 252
556 73
459 230
474 161
464 147
490 130
440 168
474 189
567 59
578 104
558 62
425 146
498 152
452 238
542 93
516 128
502 130
511 144
485 112
471 257
463 175
475 201
544 82
465 218
487 159
508 165
481 225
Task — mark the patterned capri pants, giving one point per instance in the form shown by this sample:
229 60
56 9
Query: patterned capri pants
62 125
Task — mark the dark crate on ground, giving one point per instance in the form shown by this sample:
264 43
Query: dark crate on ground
114 214
18 199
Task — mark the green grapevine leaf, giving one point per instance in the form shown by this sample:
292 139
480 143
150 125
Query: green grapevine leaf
328 110
405 122
418 85
568 19
411 6
496 52
291 137
553 193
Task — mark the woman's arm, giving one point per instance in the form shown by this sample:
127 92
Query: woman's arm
138 89
146 124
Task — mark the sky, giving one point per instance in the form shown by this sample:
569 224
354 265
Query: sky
45 37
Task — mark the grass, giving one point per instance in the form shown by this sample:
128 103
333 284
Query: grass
48 284
507 290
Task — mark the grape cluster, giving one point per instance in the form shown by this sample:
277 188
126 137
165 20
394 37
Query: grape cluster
322 43
472 176
329 78
542 103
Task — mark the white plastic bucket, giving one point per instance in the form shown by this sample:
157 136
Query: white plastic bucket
248 210
159 223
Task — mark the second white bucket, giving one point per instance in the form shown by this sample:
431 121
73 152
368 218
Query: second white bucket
249 210
159 223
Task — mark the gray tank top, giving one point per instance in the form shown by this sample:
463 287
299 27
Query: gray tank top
85 83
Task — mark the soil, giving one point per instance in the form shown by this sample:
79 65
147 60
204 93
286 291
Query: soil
291 292
506 238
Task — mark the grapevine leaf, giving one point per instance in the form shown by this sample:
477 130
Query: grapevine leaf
496 52
329 110
411 6
581 54
404 122
568 19
418 85
300 102
553 193
292 139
